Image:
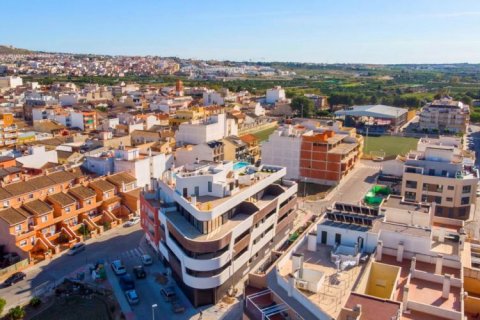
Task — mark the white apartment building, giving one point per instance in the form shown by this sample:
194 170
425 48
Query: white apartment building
143 166
199 131
71 118
443 174
445 115
212 97
10 82
210 151
275 94
283 148
212 222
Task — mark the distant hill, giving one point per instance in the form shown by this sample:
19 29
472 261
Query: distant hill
12 50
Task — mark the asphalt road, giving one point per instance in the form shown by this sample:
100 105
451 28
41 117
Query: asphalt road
110 245
350 190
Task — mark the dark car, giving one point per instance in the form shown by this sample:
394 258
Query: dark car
14 278
139 272
127 282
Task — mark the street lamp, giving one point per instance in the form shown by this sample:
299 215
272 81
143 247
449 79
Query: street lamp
153 310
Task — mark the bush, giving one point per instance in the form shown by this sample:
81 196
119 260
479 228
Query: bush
3 302
35 302
16 313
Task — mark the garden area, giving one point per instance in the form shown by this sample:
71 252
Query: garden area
390 145
264 134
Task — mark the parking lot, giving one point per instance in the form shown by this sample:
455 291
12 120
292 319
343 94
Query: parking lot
148 289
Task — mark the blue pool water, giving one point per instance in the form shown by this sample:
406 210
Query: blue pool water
239 165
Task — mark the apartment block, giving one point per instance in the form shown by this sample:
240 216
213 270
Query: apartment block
441 172
47 214
395 261
320 155
445 115
8 130
212 222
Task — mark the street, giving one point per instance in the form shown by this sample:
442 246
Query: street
111 244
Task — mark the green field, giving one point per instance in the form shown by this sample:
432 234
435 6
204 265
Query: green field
392 146
263 135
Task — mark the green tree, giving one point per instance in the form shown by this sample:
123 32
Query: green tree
466 100
16 313
302 104
3 302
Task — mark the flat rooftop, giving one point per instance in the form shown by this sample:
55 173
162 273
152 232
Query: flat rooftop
401 228
337 284
397 203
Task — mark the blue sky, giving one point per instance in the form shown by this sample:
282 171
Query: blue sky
331 31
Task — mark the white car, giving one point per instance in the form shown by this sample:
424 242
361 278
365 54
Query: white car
76 248
118 267
132 222
132 296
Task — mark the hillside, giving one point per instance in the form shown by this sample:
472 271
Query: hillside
12 50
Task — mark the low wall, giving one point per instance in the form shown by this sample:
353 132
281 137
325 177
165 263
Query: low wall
435 278
408 255
257 280
8 271
301 298
452 222
258 128
435 311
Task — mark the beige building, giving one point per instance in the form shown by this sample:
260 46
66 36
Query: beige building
445 115
442 174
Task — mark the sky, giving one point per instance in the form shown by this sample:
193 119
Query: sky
321 31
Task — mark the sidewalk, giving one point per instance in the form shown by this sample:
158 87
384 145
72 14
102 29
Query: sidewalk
122 301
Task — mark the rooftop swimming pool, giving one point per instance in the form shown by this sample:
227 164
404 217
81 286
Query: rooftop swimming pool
239 165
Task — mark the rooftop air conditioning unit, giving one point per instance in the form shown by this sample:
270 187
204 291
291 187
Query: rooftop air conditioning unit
302 284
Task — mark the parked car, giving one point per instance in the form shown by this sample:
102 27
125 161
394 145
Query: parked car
146 260
169 293
132 296
127 282
14 278
177 307
76 248
118 267
133 221
139 272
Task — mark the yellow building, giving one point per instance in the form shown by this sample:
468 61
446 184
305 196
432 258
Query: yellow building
8 130
187 115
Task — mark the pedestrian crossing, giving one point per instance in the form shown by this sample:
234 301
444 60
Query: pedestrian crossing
132 253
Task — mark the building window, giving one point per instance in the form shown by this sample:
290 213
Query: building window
465 200
209 186
89 202
451 188
67 209
44 219
18 228
30 196
437 200
411 184
424 198
449 199
6 203
51 190
23 243
410 196
467 189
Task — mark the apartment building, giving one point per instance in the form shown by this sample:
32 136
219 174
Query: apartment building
85 120
215 127
445 115
441 172
211 151
212 222
275 94
144 166
47 214
235 149
320 155
8 130
396 261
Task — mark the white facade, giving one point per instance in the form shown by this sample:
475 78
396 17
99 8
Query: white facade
275 94
10 82
38 157
190 154
283 149
200 131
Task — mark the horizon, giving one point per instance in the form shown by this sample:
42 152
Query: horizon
379 32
